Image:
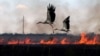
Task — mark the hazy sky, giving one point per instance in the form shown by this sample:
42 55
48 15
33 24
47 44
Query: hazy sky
85 15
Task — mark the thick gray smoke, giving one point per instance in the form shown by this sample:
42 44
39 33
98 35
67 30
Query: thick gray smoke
85 15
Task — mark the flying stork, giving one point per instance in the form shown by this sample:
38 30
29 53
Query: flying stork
66 25
50 16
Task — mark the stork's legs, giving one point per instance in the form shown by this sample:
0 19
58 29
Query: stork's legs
63 30
52 28
46 23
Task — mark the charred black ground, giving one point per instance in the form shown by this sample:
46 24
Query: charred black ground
49 50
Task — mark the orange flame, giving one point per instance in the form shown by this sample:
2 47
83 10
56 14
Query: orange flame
13 42
27 41
94 41
64 41
52 41
85 40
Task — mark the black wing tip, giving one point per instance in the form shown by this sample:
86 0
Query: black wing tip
51 7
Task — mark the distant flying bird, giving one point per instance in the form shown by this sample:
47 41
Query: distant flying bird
50 16
66 25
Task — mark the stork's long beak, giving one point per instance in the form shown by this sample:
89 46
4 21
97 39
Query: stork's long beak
39 22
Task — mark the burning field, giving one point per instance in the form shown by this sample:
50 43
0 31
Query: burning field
50 45
67 17
83 38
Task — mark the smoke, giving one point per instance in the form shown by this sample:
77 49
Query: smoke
84 15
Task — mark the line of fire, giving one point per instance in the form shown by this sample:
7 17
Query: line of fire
88 39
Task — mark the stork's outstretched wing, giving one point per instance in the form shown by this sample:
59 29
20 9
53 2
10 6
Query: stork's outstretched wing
50 13
66 23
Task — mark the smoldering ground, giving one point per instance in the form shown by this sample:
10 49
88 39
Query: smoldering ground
84 15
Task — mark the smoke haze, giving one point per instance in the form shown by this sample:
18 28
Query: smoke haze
85 15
